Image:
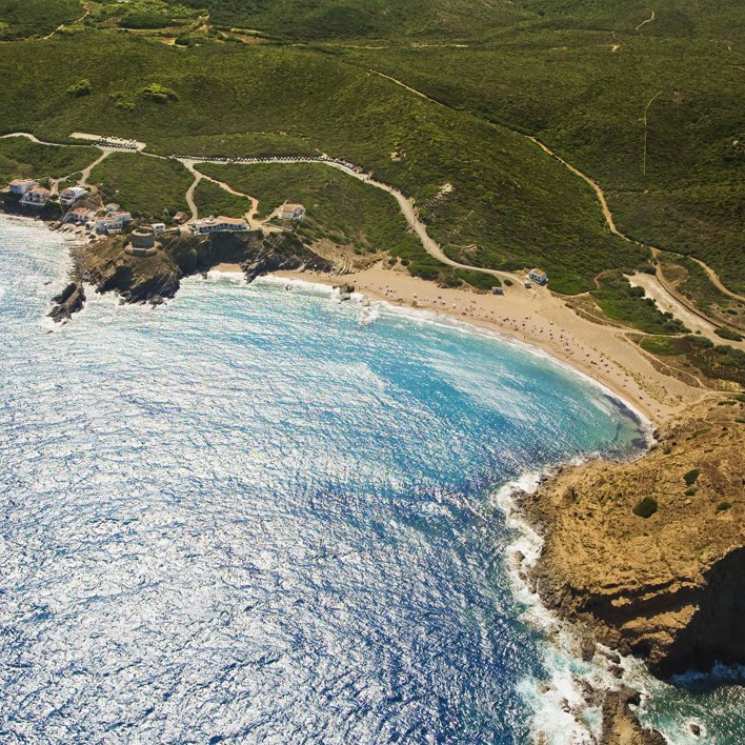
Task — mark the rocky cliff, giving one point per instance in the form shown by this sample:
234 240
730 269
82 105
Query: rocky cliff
107 266
650 554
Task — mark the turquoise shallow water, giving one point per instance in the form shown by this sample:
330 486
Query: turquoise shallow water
248 517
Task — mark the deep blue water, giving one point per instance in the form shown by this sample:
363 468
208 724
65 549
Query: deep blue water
246 517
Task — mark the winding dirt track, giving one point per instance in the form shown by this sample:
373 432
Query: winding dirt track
406 205
652 17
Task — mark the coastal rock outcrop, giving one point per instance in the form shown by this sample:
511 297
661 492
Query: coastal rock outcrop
157 276
620 725
650 554
283 251
69 301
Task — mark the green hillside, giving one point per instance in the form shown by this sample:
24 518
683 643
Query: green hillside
646 103
475 184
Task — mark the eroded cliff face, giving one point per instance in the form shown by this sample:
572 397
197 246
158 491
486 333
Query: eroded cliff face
669 587
106 265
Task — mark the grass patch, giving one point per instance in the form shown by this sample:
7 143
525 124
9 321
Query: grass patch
20 157
30 18
478 280
727 333
212 200
645 507
691 477
80 88
145 186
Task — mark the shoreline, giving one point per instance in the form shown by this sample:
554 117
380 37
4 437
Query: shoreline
578 685
534 318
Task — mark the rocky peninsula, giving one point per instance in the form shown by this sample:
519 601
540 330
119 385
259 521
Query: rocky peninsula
155 277
649 556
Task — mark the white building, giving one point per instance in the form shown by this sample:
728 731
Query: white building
113 222
219 225
294 212
38 196
21 185
69 196
158 228
79 216
538 276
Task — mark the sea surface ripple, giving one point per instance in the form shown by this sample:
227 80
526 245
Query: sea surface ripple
247 517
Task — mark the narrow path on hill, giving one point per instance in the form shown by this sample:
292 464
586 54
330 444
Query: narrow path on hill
407 207
70 23
250 214
682 300
651 18
191 203
714 278
85 174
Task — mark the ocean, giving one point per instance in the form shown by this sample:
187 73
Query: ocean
254 516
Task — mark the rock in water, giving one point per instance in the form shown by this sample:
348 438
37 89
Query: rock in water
69 301
620 725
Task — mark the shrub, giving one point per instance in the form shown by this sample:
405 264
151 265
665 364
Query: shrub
81 88
724 506
144 20
727 333
645 507
692 476
158 93
691 492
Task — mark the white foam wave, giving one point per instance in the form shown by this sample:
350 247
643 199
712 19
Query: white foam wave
563 713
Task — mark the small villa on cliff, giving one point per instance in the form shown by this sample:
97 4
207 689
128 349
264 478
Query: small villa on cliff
69 196
113 222
37 197
210 225
20 186
79 216
295 212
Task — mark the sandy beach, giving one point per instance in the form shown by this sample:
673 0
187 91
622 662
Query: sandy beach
537 317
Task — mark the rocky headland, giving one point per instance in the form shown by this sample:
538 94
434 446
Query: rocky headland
649 555
153 278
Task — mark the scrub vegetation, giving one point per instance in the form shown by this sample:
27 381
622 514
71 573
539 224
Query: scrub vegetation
626 304
211 199
148 187
338 207
714 361
21 158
